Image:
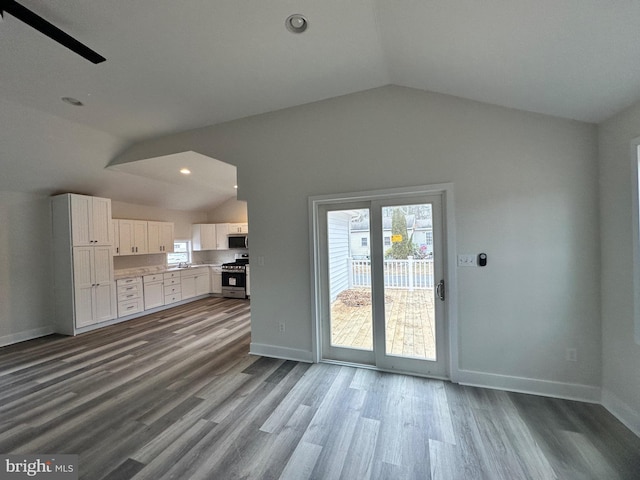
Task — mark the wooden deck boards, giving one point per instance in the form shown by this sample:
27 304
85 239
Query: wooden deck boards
175 395
410 321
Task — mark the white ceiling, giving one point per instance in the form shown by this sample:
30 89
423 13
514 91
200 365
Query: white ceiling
176 65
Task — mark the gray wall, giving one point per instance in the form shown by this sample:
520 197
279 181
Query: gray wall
26 276
621 355
526 192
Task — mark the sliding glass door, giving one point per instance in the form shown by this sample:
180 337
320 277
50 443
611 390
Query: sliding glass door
381 271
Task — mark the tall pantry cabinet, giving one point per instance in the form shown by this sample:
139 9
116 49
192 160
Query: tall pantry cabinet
84 288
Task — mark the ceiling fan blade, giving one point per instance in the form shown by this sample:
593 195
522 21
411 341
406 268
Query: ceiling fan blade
27 16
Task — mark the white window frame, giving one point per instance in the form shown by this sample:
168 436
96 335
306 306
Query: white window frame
189 252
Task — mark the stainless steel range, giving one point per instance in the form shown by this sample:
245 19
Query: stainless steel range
234 278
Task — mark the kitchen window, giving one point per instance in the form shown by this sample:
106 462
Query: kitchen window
181 252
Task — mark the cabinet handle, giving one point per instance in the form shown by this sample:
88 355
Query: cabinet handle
132 250
130 307
117 249
136 249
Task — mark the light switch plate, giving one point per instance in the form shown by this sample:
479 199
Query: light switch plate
466 260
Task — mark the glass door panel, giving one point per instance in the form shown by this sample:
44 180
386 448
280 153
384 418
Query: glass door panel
349 250
347 331
407 268
409 281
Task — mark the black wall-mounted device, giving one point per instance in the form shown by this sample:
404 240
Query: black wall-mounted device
482 259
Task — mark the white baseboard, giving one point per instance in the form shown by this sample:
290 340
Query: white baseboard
285 353
545 388
24 336
623 412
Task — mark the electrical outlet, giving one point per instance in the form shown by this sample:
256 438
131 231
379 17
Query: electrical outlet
467 260
572 355
281 327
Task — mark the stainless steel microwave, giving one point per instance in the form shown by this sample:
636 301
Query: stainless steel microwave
238 241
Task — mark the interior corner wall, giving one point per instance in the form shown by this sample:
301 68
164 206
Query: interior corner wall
620 353
526 193
26 279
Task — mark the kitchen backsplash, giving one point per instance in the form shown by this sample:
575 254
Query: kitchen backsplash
215 256
143 261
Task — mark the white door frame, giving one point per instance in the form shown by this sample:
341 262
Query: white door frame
451 297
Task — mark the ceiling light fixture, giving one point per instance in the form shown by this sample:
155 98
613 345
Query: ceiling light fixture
235 186
296 23
72 101
185 171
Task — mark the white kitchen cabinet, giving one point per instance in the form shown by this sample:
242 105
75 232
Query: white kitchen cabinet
83 275
222 236
172 287
160 237
238 228
153 286
133 237
91 219
94 289
202 281
203 236
216 280
129 296
194 282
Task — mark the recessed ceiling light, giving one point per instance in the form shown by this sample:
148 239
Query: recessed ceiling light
72 101
185 171
235 186
296 23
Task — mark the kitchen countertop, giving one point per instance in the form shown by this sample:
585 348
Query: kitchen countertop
140 271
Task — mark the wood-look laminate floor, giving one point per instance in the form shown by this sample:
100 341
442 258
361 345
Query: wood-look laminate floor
175 395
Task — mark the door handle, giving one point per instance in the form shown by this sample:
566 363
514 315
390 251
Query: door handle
440 290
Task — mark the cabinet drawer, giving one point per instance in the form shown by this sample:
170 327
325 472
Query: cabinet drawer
130 307
170 275
172 289
168 299
153 278
128 296
123 282
171 281
129 289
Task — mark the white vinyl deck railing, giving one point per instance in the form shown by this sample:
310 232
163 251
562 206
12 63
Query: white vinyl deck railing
409 273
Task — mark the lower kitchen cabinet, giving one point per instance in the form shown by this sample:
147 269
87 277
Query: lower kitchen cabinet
94 290
194 282
172 287
153 291
129 296
216 280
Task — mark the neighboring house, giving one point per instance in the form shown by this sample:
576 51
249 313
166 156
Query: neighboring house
419 230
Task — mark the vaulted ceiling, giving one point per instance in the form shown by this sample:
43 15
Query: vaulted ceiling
176 65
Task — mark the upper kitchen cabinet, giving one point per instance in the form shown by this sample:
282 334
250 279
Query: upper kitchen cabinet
203 236
238 228
210 236
133 237
160 237
90 219
222 236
